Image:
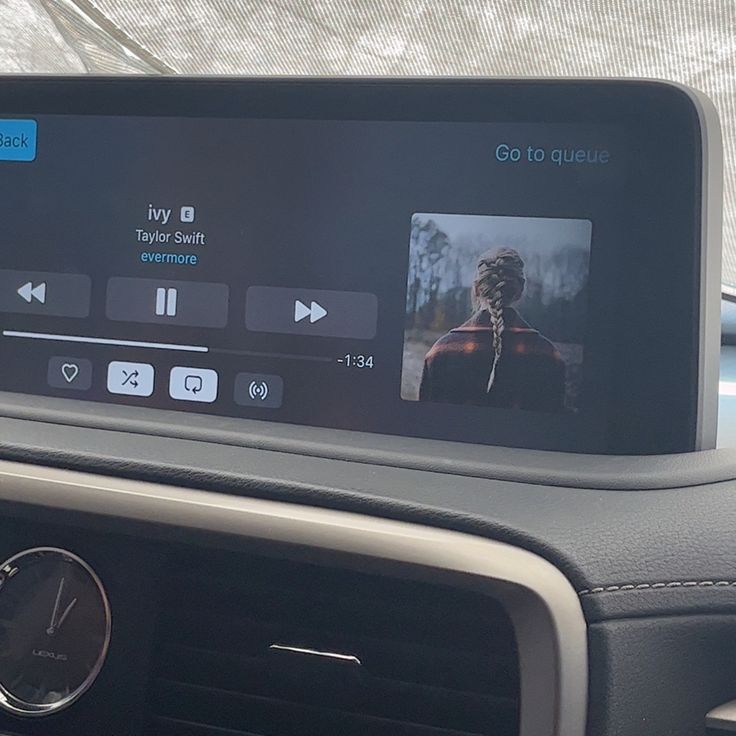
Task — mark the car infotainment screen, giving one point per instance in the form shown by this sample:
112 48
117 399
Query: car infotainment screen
464 277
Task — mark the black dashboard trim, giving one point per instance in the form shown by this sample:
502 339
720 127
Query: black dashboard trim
597 537
539 467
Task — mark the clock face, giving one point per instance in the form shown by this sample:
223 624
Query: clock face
54 630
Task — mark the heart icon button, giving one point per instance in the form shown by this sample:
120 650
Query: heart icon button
70 371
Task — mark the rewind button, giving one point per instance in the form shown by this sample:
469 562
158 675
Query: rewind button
47 294
28 292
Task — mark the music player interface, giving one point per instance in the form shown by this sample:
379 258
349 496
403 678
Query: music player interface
401 277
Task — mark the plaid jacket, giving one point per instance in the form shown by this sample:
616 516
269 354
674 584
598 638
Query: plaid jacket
530 373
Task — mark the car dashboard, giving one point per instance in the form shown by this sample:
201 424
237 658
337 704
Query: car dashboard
509 582
297 442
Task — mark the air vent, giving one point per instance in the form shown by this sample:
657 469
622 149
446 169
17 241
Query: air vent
249 646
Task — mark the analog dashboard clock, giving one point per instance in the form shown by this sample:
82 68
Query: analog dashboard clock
54 630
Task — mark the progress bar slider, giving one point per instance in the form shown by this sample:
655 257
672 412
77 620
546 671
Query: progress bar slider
106 341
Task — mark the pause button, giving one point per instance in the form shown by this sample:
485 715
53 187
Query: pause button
183 303
166 302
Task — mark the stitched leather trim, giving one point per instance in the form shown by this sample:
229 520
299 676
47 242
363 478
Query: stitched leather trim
659 586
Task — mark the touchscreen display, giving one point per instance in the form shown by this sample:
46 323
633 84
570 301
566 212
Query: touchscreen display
433 279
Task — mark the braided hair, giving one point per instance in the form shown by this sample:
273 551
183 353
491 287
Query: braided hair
499 282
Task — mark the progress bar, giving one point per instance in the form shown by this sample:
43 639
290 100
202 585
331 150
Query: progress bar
279 356
107 341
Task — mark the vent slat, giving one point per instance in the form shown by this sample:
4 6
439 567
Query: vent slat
273 592
231 710
176 727
358 654
333 685
434 666
320 601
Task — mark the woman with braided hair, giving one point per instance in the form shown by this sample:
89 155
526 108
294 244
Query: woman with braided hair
496 358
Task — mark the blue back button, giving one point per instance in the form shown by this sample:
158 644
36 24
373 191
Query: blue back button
18 140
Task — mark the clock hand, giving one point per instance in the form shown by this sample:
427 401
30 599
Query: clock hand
52 625
66 613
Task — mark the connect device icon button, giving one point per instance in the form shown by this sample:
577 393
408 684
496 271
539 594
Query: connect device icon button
259 389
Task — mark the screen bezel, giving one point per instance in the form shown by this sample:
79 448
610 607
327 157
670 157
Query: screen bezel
655 393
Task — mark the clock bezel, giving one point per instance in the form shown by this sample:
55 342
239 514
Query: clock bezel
18 707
